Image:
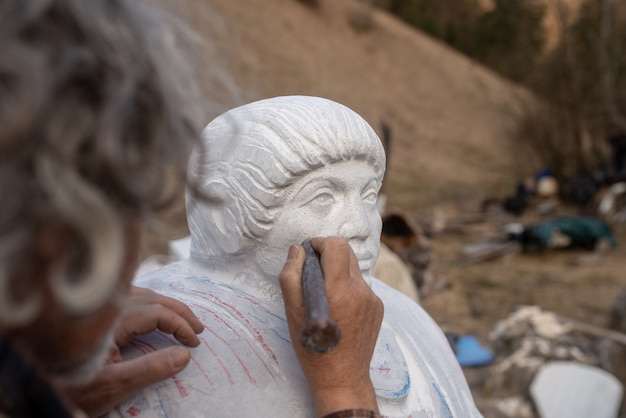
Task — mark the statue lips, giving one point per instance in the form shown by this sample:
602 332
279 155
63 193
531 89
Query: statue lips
365 261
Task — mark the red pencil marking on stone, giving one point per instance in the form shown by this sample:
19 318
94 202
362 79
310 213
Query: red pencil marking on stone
133 411
180 387
196 362
239 360
243 366
138 346
141 345
219 360
256 332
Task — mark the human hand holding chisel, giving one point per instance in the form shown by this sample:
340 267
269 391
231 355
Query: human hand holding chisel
338 379
320 333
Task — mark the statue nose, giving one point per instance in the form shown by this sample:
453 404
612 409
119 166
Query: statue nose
355 224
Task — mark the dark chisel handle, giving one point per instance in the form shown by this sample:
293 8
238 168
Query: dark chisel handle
320 334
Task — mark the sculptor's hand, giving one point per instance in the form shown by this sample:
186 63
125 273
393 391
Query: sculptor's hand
146 311
340 378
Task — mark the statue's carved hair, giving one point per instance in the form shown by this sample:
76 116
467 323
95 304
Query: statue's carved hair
96 111
252 152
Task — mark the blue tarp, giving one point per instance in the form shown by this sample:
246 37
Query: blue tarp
584 231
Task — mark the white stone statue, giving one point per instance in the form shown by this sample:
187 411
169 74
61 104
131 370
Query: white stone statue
273 173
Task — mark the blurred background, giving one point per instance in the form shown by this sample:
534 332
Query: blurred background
505 128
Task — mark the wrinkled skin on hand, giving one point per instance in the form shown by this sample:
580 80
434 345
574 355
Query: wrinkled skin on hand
145 311
340 378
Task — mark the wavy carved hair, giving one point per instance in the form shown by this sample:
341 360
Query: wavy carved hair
251 153
96 112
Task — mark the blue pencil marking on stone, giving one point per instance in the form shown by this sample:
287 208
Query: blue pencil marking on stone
163 407
444 403
283 338
395 394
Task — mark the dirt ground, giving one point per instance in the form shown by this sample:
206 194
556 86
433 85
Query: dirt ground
482 294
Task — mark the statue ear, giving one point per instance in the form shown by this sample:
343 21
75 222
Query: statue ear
215 217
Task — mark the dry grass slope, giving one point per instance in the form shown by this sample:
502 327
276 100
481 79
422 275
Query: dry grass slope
450 118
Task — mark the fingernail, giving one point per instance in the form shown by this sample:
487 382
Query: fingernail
179 357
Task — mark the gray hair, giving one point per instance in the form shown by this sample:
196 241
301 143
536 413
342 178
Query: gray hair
252 152
96 114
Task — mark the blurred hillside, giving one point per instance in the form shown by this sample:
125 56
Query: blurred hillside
557 13
569 52
450 118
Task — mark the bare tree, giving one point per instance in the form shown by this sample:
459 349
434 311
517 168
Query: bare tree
608 49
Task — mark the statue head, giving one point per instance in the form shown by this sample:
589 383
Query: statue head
274 172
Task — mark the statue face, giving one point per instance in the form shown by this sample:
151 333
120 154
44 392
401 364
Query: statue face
337 200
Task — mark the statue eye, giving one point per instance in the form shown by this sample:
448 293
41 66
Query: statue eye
370 197
322 198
